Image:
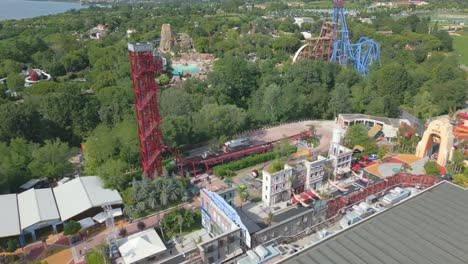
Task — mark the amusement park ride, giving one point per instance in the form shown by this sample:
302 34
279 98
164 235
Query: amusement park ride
334 45
144 63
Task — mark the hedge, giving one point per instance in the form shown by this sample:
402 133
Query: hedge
227 170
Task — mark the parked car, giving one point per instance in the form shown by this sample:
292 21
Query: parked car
373 157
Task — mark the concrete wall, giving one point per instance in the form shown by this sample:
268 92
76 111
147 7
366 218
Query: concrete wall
293 225
221 248
276 187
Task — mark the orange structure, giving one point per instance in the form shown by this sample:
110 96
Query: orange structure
442 137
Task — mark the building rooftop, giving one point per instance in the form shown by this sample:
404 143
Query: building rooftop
140 246
35 206
10 225
388 121
81 194
416 231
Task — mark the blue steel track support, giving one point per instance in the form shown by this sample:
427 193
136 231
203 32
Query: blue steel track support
361 54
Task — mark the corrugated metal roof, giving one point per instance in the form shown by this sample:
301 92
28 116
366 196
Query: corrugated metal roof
37 205
429 228
9 223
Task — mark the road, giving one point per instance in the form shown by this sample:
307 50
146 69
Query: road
269 134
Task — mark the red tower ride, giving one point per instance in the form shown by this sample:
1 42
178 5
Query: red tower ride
144 64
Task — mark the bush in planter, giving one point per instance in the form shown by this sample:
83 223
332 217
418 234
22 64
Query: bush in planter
12 245
71 228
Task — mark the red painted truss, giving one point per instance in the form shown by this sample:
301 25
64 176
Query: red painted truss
145 91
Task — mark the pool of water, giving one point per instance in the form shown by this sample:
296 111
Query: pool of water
179 69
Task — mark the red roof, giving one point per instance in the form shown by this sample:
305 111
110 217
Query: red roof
305 196
365 157
311 194
356 167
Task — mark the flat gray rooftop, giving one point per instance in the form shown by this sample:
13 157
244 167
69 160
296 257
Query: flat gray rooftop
430 228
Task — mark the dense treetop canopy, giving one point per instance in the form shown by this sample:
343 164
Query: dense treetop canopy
253 83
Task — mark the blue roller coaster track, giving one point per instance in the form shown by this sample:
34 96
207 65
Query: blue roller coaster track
361 54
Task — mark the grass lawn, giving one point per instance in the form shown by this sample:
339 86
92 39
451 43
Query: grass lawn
460 45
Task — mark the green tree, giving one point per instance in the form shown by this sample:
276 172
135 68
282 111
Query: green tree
14 160
457 161
14 81
340 100
51 160
269 218
71 228
233 79
219 120
431 168
12 245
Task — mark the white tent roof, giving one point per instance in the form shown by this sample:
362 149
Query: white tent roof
101 217
9 224
81 194
140 246
86 222
36 205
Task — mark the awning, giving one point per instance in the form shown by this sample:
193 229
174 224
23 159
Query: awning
311 194
294 201
305 196
87 222
101 217
374 130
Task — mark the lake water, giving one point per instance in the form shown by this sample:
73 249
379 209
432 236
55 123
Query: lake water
17 9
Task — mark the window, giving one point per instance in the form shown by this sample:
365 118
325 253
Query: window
209 249
304 219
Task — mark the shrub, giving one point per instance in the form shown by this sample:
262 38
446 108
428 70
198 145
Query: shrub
431 168
276 166
71 228
141 225
123 232
227 170
12 245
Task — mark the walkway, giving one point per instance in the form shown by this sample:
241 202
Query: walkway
79 250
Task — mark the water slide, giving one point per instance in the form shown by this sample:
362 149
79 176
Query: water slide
301 200
461 131
341 189
361 178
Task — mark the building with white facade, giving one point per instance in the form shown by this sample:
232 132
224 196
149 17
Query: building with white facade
388 126
339 155
298 177
276 187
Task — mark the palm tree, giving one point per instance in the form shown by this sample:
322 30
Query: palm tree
163 197
269 218
152 201
180 221
243 193
189 218
291 179
328 166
